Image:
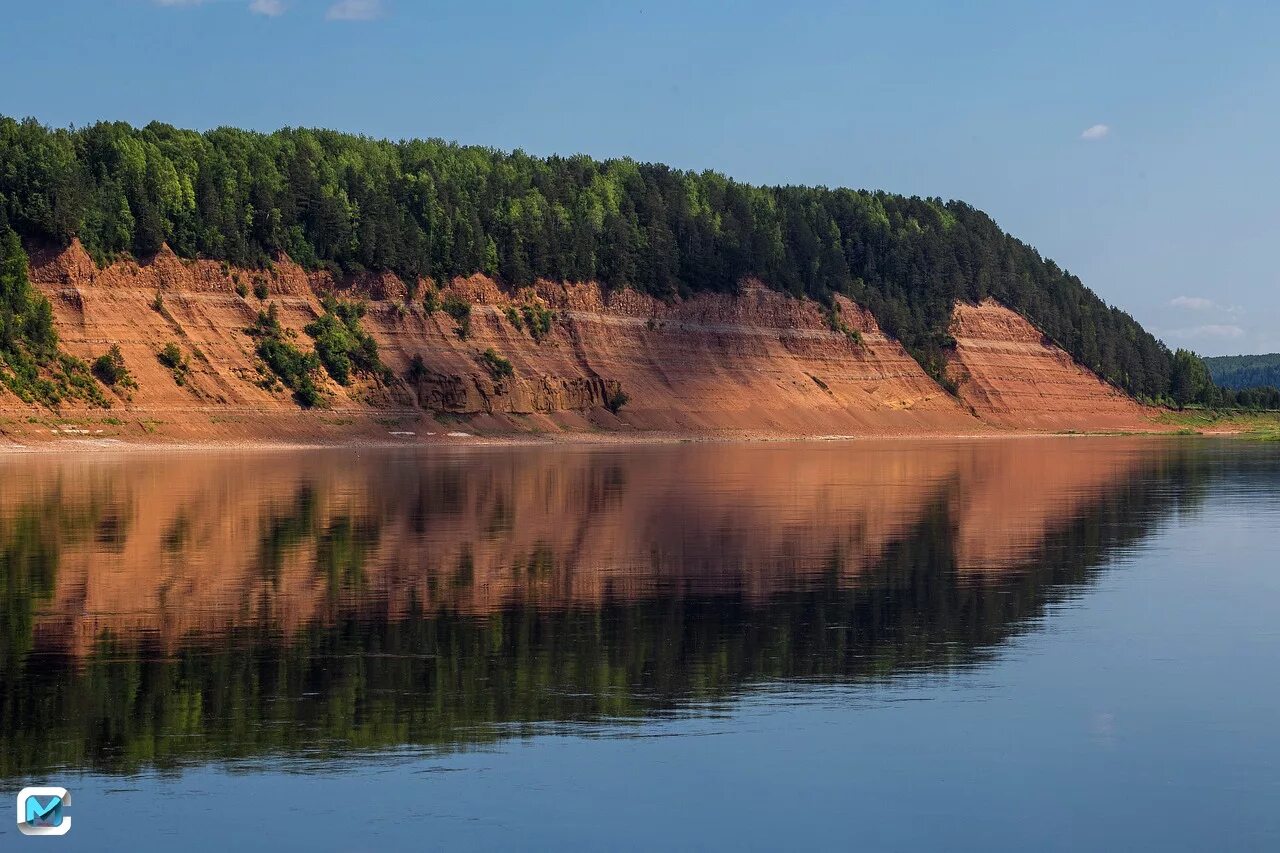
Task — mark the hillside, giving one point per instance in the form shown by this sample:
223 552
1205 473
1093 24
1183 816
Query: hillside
1239 372
312 286
430 210
1008 374
472 358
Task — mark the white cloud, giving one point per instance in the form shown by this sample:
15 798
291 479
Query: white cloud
354 10
1211 330
1195 303
1201 303
1097 131
270 8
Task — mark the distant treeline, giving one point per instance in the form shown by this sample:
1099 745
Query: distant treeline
1241 372
436 209
1193 383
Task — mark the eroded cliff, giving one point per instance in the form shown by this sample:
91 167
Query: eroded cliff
1010 375
755 363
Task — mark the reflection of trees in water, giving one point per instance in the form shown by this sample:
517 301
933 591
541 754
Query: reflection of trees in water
32 539
438 678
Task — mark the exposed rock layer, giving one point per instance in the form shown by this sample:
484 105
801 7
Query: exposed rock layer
1011 375
754 363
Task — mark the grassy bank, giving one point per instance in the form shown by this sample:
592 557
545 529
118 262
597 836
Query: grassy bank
1263 426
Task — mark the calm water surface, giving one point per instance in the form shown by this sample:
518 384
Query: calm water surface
1012 644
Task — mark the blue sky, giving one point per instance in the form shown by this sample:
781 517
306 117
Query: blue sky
1168 207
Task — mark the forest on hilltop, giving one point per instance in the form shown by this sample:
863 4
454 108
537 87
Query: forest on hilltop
435 209
1245 371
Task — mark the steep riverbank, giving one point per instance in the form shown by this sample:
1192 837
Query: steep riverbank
756 364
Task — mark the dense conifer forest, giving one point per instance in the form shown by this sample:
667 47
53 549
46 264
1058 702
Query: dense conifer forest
1242 372
435 209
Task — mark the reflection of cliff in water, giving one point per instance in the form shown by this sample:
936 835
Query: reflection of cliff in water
157 612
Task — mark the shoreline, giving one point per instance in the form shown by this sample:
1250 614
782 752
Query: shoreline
113 446
240 429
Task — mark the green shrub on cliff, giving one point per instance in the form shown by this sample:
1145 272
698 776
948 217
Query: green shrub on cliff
837 324
171 357
431 301
31 364
417 369
499 368
538 318
111 370
342 345
460 310
284 361
616 400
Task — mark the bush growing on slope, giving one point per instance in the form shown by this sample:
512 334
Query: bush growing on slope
499 368
284 361
171 357
342 345
616 400
538 318
460 310
31 364
111 370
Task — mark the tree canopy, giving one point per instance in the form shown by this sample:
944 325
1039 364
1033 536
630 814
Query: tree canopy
1245 371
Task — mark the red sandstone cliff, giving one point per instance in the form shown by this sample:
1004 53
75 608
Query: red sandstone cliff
1010 375
755 363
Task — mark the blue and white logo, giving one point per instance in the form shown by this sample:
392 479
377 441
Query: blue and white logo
40 811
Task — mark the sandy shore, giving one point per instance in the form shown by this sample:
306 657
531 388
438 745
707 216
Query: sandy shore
460 439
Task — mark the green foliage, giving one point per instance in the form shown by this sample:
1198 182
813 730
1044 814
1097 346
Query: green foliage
538 318
424 208
417 369
1266 398
111 370
31 364
296 369
242 289
431 301
616 400
460 310
342 345
499 368
171 357
1239 372
1190 382
513 317
837 324
259 287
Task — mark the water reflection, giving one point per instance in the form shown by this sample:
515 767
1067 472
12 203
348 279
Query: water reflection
163 610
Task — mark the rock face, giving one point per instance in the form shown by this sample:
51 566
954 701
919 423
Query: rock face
756 363
1010 375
